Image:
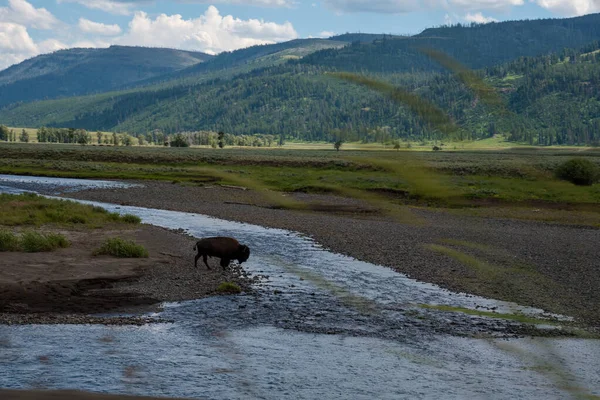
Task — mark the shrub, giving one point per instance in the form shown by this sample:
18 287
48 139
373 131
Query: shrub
229 287
77 219
8 241
114 216
35 242
179 141
131 219
579 171
118 247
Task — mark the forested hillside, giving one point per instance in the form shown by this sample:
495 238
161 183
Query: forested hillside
549 97
476 46
76 72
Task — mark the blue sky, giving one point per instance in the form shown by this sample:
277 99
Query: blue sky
31 27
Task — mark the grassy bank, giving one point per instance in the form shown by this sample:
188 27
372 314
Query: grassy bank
30 210
513 177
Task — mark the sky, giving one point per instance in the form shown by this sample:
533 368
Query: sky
32 27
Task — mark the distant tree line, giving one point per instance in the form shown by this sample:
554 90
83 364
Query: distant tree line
63 135
155 137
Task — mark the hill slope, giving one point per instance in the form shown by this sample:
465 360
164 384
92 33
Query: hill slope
476 46
552 99
81 71
230 63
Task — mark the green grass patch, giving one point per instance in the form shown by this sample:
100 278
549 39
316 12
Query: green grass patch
9 241
33 210
35 242
448 178
32 242
229 288
131 219
118 247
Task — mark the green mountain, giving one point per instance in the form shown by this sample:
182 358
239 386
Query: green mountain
476 46
229 64
76 72
551 93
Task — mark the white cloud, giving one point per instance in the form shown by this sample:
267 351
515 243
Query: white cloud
87 26
479 18
569 8
50 45
110 6
23 13
211 32
15 39
90 44
405 6
16 45
326 34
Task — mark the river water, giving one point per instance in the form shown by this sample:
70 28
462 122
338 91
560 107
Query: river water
321 326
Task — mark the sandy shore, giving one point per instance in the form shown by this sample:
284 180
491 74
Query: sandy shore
550 266
68 285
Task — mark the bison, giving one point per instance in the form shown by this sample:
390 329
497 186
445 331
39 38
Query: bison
225 248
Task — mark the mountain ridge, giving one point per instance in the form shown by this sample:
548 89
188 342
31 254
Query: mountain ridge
80 71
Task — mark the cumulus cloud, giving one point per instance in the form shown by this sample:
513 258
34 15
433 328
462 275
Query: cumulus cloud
87 26
49 46
16 45
23 13
479 18
326 34
405 6
570 8
211 32
15 39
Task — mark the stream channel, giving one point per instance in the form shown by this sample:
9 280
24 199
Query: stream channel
321 326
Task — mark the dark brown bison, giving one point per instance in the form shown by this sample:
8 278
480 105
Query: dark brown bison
225 248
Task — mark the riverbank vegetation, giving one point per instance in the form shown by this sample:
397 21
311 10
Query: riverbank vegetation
446 178
31 210
121 248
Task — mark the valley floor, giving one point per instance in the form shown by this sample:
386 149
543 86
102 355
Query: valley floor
550 266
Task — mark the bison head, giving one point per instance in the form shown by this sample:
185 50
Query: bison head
243 253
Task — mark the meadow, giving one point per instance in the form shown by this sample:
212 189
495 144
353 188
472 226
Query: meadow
445 178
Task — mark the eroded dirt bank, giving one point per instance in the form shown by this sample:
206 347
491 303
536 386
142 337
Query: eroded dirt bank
67 285
550 266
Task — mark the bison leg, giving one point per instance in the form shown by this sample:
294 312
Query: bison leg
196 260
225 263
205 261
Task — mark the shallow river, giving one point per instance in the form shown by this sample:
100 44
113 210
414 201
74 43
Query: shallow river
321 326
